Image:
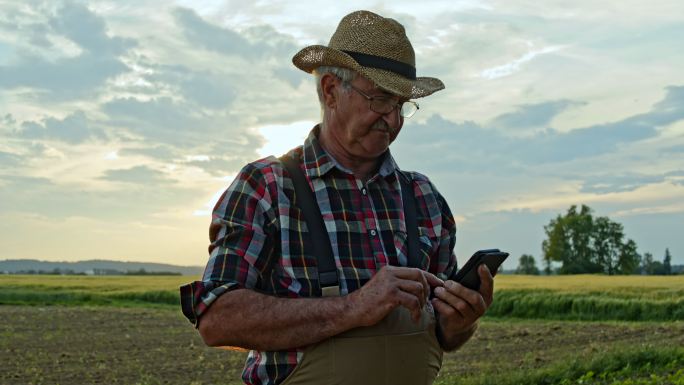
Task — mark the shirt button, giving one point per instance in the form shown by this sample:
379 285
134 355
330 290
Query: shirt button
373 232
363 191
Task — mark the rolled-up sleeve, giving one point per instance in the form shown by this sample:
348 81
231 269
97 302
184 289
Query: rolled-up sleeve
242 233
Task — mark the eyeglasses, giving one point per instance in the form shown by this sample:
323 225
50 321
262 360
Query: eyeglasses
384 104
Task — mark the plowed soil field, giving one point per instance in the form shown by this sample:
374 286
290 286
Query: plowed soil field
97 345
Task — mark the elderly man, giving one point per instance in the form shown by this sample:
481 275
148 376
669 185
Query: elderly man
330 263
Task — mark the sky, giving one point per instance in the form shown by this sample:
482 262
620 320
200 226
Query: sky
121 122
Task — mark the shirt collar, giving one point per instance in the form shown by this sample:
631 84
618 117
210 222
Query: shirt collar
318 162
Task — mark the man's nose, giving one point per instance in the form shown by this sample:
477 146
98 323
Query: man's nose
393 118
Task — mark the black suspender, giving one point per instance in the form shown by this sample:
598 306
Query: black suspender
409 201
305 199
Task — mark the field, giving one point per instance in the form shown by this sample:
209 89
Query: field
129 330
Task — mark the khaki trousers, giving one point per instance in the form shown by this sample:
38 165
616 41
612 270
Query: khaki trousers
395 351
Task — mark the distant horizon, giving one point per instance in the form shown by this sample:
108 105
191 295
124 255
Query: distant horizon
202 266
100 260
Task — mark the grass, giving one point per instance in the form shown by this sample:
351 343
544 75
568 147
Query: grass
648 366
578 297
589 297
588 306
589 282
91 290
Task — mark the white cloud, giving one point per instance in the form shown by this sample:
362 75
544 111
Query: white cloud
514 66
197 158
282 138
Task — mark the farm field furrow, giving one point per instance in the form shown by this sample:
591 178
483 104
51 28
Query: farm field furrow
54 344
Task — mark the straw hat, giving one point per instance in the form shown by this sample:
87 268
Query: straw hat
377 48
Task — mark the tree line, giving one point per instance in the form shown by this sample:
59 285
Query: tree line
584 244
58 271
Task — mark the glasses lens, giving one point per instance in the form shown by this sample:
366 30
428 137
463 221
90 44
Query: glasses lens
408 109
382 105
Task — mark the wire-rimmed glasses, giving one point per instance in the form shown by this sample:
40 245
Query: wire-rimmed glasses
384 104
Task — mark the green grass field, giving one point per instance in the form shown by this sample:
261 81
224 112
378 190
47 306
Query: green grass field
581 297
557 330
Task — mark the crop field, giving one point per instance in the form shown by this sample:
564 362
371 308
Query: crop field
129 330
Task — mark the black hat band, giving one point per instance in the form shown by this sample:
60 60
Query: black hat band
383 63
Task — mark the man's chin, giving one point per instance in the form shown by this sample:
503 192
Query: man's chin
377 149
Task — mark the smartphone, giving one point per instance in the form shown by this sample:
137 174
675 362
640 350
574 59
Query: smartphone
468 275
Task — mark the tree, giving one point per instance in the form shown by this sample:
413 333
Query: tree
667 262
527 265
628 261
568 241
647 263
584 244
607 242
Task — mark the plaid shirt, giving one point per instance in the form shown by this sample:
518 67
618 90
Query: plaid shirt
257 238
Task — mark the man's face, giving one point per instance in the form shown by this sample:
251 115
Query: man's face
364 134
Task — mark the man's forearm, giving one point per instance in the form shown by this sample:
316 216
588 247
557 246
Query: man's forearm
253 320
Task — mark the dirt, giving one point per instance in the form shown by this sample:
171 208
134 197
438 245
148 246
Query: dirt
76 345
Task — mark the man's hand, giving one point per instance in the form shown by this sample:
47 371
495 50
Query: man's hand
459 308
393 286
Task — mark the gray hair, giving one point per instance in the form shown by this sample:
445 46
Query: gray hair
345 74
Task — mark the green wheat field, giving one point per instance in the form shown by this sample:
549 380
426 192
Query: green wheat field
581 329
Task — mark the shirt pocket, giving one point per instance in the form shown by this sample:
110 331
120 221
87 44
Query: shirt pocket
427 247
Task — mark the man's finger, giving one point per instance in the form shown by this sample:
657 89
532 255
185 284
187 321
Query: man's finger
459 293
432 279
413 274
459 303
414 288
411 303
486 284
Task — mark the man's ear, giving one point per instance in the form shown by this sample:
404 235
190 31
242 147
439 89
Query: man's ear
329 89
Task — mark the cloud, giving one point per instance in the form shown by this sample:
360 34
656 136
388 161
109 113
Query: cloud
25 181
73 129
609 183
159 152
675 149
211 37
143 175
206 89
57 78
676 177
160 119
473 146
7 123
515 65
135 200
80 25
63 76
673 102
175 123
255 42
532 116
261 45
675 173
293 76
8 160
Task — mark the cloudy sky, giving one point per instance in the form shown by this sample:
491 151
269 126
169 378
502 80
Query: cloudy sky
121 121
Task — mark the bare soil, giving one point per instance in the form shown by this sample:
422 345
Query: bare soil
95 345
